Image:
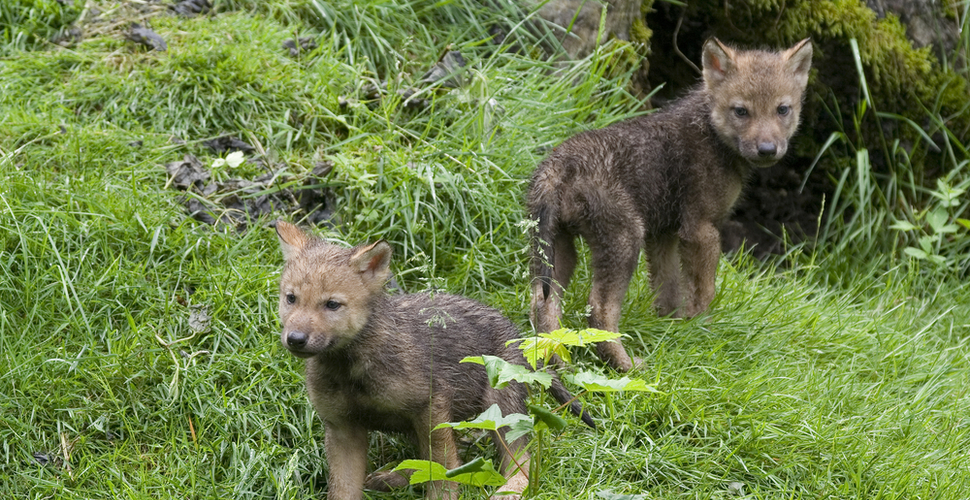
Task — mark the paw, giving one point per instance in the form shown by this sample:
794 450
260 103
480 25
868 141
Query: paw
385 481
637 362
512 490
615 355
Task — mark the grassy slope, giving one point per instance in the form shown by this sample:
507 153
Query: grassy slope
790 388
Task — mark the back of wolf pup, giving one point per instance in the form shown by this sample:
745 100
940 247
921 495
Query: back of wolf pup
391 363
663 182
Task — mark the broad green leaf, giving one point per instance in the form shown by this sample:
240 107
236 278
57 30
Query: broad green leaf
903 225
501 372
490 420
915 252
479 472
424 470
536 348
519 429
937 219
551 419
544 345
570 337
964 222
948 229
926 243
593 382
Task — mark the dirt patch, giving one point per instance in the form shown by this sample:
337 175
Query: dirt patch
237 202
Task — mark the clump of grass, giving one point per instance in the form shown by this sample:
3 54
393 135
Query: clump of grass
868 200
27 24
443 185
232 76
788 388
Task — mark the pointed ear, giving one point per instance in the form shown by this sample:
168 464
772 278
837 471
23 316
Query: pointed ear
292 239
717 60
373 260
799 60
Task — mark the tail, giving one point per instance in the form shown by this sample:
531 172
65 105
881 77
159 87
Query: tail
546 211
562 395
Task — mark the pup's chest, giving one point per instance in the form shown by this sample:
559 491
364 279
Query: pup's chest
378 404
716 184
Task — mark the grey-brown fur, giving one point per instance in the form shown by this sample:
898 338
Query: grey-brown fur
391 363
662 182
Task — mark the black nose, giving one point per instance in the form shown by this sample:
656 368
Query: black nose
767 149
296 339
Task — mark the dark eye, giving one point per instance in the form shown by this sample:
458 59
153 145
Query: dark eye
333 305
290 298
740 111
783 110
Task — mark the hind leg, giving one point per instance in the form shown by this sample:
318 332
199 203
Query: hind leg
663 260
514 457
547 309
438 446
614 262
515 466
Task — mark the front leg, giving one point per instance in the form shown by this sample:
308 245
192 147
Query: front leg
699 251
346 448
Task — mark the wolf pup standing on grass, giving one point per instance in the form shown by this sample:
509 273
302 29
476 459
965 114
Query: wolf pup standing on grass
392 363
662 182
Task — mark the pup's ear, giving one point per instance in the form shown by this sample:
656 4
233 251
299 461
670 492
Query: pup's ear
718 61
373 261
292 239
799 60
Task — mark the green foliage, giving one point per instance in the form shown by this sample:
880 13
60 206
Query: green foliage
490 420
477 473
937 230
592 382
867 199
501 372
545 346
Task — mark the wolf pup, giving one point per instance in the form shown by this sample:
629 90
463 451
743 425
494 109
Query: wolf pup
663 182
392 363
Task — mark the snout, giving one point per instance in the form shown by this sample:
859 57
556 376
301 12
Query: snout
763 153
296 340
298 343
767 150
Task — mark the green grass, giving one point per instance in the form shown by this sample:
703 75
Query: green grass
836 371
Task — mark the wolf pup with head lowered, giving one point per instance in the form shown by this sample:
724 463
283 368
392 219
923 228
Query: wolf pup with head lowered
663 182
392 363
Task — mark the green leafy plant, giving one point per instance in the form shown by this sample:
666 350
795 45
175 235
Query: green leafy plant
937 227
546 347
